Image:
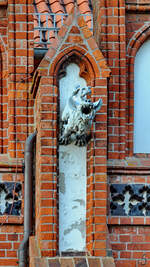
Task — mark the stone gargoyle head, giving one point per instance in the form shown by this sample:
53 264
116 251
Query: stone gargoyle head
77 117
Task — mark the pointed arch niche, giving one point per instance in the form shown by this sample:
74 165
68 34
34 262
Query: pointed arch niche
87 66
137 111
72 167
141 99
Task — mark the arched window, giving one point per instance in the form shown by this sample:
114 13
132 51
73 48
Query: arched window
142 99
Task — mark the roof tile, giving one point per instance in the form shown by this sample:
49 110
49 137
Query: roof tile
69 4
56 7
43 7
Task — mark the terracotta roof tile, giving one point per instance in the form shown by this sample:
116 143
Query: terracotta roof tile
69 4
56 8
41 6
60 7
45 22
36 32
85 9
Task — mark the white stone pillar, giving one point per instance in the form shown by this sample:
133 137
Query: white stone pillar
72 178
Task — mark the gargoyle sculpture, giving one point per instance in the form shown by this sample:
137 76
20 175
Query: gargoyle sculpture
77 117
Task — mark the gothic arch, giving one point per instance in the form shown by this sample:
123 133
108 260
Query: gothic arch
89 70
134 44
138 39
86 62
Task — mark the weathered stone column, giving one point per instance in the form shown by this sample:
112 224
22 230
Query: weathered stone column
72 177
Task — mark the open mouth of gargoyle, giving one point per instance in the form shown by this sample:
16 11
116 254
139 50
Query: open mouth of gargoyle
86 109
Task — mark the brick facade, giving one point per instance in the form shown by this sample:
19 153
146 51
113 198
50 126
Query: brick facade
16 112
78 41
120 28
127 233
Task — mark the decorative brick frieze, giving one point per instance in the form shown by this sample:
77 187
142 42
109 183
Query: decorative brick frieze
11 194
10 198
11 217
130 200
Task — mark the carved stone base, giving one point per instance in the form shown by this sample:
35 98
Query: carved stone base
73 262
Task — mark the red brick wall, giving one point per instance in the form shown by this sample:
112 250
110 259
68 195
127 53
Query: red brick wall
10 237
20 66
120 23
16 65
112 43
16 111
125 25
126 238
130 245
